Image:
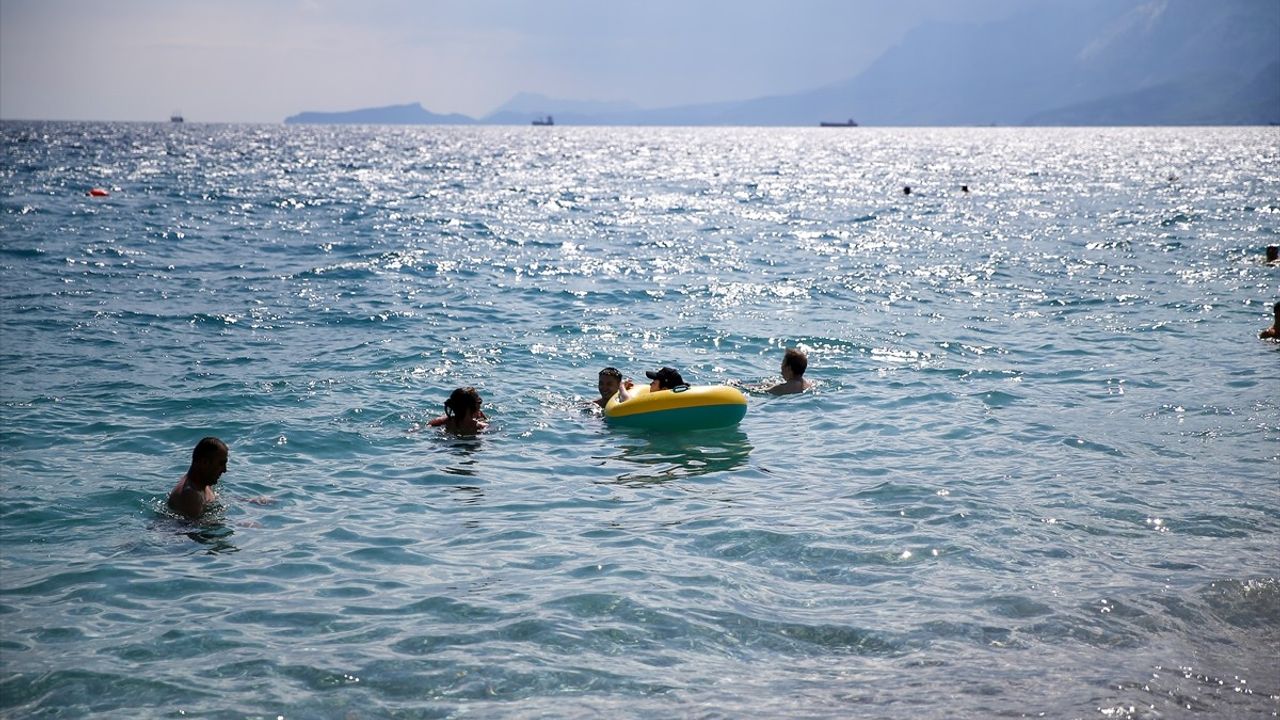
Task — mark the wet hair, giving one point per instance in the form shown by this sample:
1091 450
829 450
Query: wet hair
796 360
612 372
462 400
207 449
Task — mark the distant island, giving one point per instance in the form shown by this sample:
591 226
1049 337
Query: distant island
1127 62
410 114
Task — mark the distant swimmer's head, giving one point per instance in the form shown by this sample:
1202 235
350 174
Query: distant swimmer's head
906 189
665 378
609 382
462 402
964 188
209 459
1273 253
794 363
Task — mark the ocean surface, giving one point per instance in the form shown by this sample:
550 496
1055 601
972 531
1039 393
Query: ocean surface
1039 474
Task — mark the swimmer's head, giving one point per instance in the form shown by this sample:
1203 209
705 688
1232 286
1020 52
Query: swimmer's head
794 361
462 402
209 459
609 382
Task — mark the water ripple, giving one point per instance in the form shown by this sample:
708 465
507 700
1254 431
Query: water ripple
1036 473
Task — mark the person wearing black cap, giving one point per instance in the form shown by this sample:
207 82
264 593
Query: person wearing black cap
665 378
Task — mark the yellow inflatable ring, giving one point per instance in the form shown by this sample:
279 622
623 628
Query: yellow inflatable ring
683 408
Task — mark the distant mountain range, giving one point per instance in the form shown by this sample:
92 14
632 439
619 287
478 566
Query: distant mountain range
1107 62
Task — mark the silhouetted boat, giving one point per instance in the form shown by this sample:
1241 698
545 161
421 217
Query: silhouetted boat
176 116
847 123
544 121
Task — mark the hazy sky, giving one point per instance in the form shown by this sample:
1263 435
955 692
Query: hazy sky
261 60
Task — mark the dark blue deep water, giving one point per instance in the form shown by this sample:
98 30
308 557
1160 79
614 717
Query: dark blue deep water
1039 474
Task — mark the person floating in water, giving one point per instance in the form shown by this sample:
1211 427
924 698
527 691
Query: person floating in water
906 189
794 363
462 413
1273 254
665 378
194 492
609 382
1273 332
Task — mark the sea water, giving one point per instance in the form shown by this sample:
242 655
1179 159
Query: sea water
1037 475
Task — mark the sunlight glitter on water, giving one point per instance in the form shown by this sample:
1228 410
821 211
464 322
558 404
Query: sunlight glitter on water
1041 420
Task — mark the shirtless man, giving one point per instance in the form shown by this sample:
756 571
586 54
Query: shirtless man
794 363
194 491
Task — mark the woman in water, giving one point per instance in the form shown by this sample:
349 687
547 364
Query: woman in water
462 413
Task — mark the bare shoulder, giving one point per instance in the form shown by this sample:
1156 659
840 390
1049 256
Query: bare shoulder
791 387
186 500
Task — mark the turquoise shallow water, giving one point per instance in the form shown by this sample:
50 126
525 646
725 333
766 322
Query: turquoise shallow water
1038 473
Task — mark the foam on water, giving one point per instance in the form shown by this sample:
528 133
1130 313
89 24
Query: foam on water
1037 474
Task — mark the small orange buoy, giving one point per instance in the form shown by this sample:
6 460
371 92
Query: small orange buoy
97 192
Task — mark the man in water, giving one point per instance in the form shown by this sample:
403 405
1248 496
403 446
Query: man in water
194 492
794 363
608 384
1273 332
